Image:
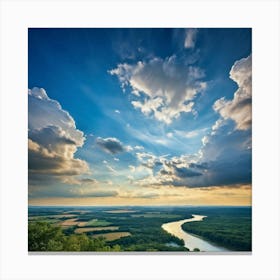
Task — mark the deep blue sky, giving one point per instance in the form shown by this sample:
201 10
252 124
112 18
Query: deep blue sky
92 73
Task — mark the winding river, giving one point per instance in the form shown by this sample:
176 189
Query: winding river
190 240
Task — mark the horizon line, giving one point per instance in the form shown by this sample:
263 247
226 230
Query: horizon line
163 205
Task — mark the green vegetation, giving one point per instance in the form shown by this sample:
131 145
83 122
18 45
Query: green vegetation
112 235
97 223
144 233
229 229
43 236
149 239
94 229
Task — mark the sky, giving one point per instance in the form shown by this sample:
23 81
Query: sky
154 116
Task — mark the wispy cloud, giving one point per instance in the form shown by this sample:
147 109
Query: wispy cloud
190 134
190 38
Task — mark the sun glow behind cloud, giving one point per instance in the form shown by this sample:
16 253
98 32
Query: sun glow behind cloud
234 195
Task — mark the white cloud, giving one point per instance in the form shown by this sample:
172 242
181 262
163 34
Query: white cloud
129 148
165 88
190 134
110 168
239 109
139 148
53 140
130 178
190 38
132 168
144 155
44 112
225 156
224 159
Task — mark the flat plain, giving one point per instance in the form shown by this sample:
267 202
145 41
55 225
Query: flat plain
136 228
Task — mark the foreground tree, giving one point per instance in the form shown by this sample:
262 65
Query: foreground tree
43 236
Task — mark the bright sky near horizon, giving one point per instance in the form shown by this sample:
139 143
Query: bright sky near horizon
139 116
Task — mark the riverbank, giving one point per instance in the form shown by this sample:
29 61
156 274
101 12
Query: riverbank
191 242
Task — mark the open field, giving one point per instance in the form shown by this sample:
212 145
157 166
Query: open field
82 224
69 222
112 235
93 229
97 223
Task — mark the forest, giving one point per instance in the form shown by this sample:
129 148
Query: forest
230 228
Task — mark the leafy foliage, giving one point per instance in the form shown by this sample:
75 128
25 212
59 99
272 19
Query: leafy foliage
43 236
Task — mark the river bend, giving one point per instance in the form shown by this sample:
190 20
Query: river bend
190 240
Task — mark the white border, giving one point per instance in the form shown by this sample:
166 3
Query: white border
17 16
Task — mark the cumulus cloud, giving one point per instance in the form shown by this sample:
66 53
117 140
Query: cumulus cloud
110 145
149 160
178 171
224 159
228 153
53 140
239 109
162 88
190 38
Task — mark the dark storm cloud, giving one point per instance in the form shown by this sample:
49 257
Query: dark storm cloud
184 172
203 165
